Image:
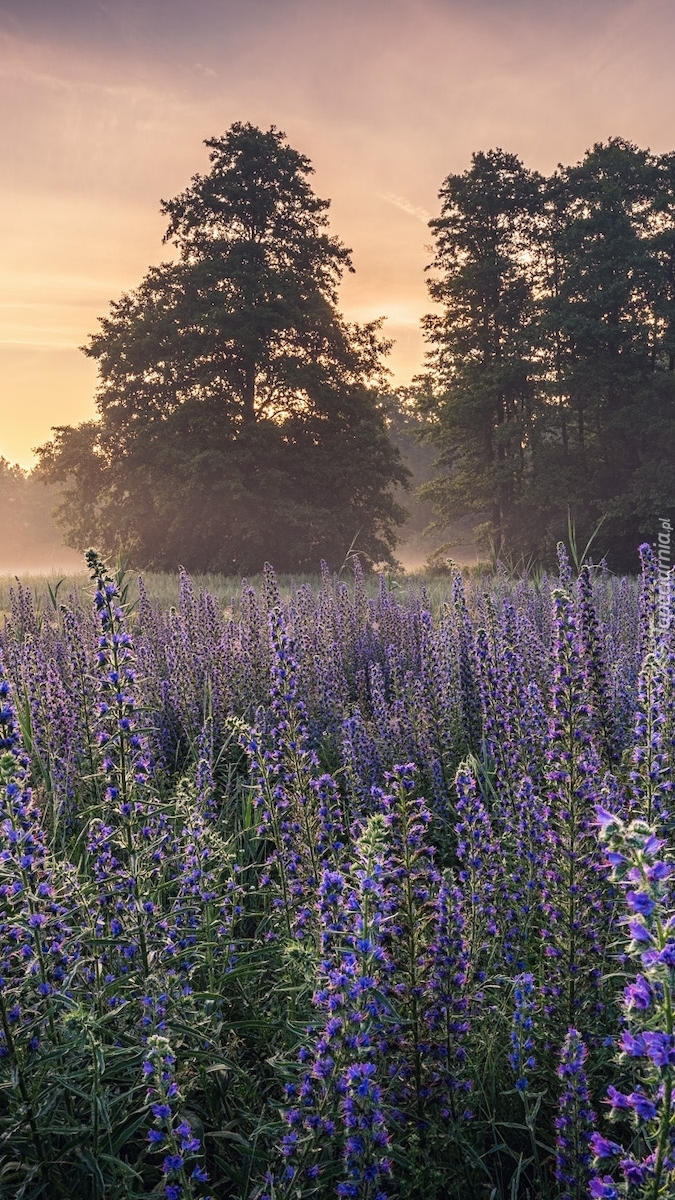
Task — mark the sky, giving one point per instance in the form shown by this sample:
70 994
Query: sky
105 107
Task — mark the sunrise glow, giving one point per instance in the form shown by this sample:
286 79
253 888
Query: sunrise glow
106 108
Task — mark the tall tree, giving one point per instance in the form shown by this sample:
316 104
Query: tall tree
477 391
550 386
602 311
239 416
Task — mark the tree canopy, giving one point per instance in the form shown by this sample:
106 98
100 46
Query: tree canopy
239 413
550 380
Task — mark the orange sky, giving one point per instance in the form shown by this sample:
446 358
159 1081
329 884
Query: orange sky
105 107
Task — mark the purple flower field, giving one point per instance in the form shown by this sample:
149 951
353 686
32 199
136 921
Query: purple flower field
339 896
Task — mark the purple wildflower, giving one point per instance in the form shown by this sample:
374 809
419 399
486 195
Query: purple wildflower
575 1121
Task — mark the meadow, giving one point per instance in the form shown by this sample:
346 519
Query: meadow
50 588
344 887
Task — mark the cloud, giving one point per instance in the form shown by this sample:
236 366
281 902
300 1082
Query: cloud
413 210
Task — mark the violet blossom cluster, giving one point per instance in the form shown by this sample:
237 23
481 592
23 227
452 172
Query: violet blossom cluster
575 1121
573 896
338 1100
521 1057
170 1134
642 866
125 761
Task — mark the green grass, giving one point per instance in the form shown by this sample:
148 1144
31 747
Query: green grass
162 587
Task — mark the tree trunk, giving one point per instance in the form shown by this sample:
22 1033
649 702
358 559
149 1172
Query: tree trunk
249 391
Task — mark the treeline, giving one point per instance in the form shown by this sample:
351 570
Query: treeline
29 539
550 383
241 418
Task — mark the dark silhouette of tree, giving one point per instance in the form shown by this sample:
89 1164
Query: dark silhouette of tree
239 413
550 385
607 346
477 392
